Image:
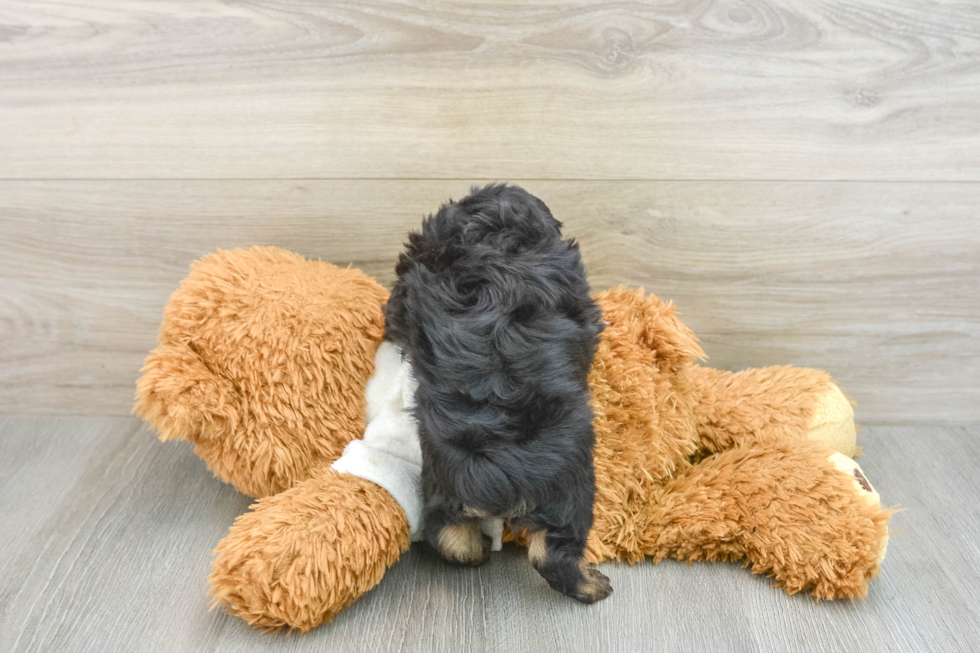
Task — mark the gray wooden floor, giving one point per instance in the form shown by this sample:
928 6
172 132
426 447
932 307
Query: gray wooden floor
107 535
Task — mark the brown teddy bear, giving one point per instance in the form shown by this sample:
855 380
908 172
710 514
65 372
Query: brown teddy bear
264 361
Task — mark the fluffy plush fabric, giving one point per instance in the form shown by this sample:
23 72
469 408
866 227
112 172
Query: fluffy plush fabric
770 497
297 558
262 361
644 406
691 463
786 510
770 404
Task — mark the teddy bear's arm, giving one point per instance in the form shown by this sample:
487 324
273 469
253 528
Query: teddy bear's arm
771 404
796 511
301 556
297 558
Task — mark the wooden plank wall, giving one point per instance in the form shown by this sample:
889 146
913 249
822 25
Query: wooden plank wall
801 178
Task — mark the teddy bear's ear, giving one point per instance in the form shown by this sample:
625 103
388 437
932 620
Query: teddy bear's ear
182 399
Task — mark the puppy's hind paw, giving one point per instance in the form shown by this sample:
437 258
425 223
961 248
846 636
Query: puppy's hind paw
595 587
464 545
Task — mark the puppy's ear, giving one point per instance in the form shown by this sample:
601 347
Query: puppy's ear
409 303
395 311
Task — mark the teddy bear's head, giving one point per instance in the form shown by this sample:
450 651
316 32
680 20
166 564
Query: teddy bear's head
262 361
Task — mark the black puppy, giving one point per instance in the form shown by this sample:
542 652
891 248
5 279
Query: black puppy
493 310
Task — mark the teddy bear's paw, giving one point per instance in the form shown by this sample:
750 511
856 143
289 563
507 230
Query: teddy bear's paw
299 557
833 422
862 486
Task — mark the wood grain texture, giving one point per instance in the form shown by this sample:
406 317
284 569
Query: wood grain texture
686 89
875 282
109 533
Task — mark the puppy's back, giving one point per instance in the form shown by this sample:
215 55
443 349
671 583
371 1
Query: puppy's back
494 311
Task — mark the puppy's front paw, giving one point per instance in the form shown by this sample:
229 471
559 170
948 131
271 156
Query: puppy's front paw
595 587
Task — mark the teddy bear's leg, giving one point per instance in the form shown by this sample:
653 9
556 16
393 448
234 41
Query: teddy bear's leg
297 558
797 511
771 404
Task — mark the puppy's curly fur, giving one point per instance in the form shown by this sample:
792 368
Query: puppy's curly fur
493 310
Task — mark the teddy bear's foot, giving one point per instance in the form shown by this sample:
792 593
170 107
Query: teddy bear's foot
833 422
771 404
863 487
